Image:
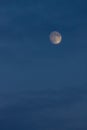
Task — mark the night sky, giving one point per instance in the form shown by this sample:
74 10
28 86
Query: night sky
43 86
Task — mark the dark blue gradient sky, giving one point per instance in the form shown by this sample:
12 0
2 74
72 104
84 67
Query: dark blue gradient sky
43 86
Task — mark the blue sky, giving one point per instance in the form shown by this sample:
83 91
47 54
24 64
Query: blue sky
43 86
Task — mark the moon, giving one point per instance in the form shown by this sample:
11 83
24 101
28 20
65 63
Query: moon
55 37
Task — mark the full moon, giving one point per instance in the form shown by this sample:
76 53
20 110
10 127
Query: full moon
55 37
